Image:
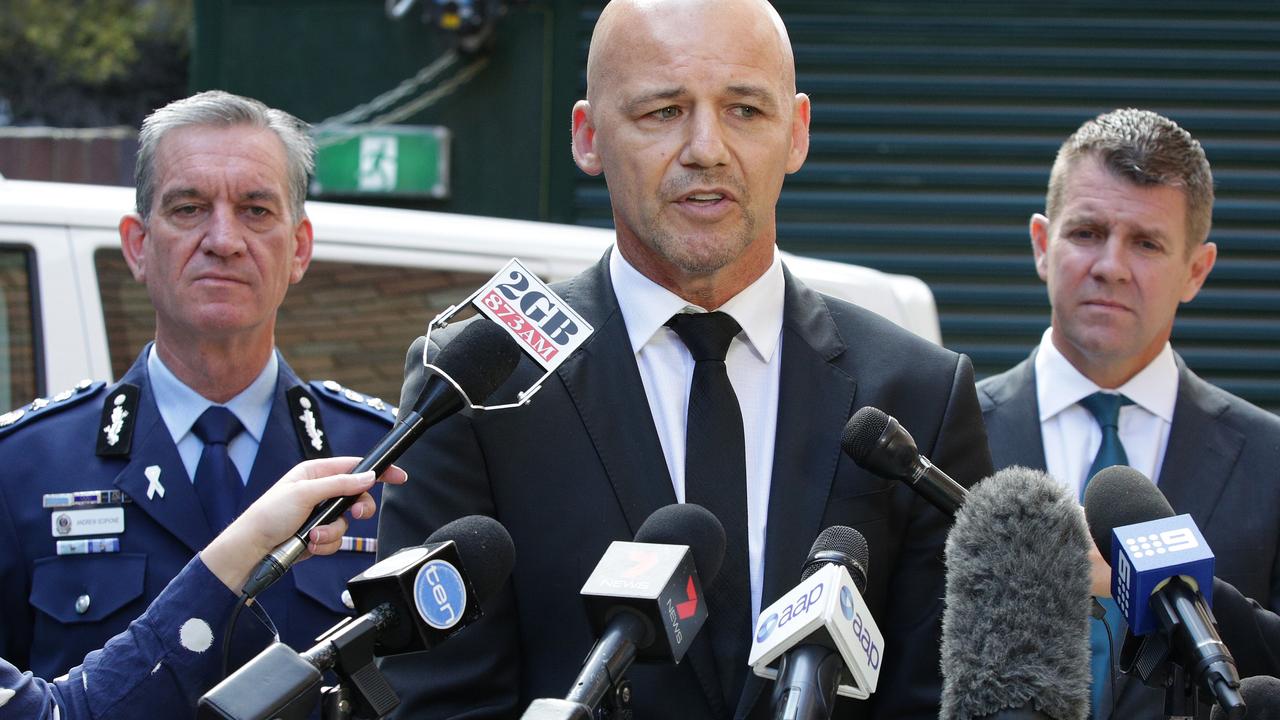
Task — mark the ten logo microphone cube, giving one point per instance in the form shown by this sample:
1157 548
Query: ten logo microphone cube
431 580
1145 555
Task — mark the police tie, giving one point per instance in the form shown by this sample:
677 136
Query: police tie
715 476
218 484
1105 408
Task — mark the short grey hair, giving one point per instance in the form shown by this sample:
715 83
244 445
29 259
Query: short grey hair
216 108
1147 149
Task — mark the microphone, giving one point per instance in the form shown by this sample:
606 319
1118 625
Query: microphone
413 600
1261 693
880 445
644 601
1015 630
821 631
1159 562
469 368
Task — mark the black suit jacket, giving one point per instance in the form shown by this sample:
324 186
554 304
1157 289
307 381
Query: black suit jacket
1221 466
582 466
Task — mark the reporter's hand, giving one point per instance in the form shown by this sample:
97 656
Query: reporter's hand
1099 573
278 514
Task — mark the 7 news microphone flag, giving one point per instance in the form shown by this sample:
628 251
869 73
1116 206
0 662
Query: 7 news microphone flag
645 602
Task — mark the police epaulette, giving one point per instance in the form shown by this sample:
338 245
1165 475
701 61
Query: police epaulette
351 398
41 407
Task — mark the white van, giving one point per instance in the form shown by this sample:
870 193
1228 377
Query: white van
70 310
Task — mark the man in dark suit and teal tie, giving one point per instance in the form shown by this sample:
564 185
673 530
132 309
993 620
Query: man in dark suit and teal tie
1122 243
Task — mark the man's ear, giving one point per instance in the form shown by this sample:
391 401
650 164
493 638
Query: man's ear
133 236
1202 259
1039 228
303 244
584 140
799 133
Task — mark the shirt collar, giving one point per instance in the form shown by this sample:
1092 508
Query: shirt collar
1154 388
646 306
180 406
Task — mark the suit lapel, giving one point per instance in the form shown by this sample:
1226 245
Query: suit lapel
1198 461
279 436
1201 451
178 510
1014 432
815 399
602 380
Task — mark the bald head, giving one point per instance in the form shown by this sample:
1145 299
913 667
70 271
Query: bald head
625 24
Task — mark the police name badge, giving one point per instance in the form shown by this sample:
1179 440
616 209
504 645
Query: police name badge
99 521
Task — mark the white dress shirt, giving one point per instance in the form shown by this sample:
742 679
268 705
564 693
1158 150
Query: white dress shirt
180 407
753 362
1070 433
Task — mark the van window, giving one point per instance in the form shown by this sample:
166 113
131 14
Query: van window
348 322
18 380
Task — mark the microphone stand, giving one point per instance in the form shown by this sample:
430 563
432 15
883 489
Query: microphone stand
362 692
1149 659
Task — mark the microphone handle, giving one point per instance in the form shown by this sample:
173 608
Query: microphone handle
1185 618
438 400
612 654
807 683
937 487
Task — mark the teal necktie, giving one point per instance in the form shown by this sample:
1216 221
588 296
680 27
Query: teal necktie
1105 408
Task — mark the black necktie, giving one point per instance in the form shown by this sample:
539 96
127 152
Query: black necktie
715 476
218 484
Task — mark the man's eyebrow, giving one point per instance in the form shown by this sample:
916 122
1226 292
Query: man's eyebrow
761 96
637 103
176 194
262 195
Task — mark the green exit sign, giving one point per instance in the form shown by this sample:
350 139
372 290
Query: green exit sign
382 161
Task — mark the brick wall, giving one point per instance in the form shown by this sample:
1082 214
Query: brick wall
92 155
344 321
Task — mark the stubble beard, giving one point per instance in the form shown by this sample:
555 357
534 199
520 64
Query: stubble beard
705 253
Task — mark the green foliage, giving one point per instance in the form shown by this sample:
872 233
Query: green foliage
88 42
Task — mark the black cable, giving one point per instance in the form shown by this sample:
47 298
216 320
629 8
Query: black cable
226 635
1114 667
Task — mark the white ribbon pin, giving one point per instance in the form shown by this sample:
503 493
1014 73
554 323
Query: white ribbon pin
153 482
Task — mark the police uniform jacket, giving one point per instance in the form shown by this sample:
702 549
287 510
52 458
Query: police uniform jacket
165 660
81 460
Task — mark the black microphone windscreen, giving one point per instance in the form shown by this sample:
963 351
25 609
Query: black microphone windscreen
479 358
844 546
485 548
692 525
1118 496
1261 694
1015 630
862 432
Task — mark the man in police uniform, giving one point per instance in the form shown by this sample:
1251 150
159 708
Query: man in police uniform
110 490
161 665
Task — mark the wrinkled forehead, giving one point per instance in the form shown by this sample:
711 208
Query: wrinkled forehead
641 39
241 153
